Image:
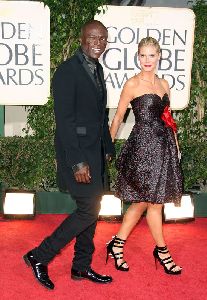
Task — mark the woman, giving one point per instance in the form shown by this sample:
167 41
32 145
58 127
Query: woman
148 165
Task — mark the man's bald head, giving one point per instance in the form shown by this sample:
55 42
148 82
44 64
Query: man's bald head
92 24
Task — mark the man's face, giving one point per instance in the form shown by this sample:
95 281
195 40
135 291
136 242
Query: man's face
94 40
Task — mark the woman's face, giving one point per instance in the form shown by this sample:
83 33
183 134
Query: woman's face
148 57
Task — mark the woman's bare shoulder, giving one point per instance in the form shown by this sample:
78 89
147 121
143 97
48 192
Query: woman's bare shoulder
129 89
132 82
164 83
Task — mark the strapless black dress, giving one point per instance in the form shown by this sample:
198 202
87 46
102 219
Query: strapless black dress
148 165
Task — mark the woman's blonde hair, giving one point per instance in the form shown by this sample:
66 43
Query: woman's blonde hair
149 41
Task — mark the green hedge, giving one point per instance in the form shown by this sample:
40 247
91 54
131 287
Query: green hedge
26 162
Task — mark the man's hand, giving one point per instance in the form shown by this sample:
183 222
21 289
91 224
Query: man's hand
83 175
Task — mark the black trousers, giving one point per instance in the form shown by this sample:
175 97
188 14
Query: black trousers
80 224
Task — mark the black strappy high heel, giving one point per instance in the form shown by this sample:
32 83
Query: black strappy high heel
165 261
118 243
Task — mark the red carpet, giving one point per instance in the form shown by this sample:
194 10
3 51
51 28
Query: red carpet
187 242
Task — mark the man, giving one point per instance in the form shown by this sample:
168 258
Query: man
82 143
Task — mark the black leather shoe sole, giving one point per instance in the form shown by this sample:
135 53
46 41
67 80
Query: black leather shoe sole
78 278
26 260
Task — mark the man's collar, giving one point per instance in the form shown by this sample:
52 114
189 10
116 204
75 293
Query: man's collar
83 56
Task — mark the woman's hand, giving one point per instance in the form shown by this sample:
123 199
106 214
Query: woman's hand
178 149
179 155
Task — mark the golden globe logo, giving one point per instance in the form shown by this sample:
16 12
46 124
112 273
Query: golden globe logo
127 26
24 53
122 61
26 56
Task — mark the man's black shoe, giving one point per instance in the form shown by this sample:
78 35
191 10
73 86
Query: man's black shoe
90 275
39 270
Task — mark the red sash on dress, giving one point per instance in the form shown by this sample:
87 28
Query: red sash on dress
168 119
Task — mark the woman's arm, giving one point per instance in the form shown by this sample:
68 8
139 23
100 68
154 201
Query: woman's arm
167 88
125 98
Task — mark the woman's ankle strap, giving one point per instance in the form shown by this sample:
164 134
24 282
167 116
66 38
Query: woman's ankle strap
118 239
160 249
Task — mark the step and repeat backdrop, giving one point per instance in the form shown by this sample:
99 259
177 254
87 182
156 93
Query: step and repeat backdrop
25 50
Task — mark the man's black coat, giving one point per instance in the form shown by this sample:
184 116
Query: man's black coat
81 125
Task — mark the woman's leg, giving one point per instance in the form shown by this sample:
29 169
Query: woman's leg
154 220
131 217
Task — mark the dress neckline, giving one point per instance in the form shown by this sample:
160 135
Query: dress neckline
147 94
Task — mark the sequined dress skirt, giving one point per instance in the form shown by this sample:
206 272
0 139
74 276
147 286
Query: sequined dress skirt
148 166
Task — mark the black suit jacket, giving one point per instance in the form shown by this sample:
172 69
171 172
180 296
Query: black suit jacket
81 125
